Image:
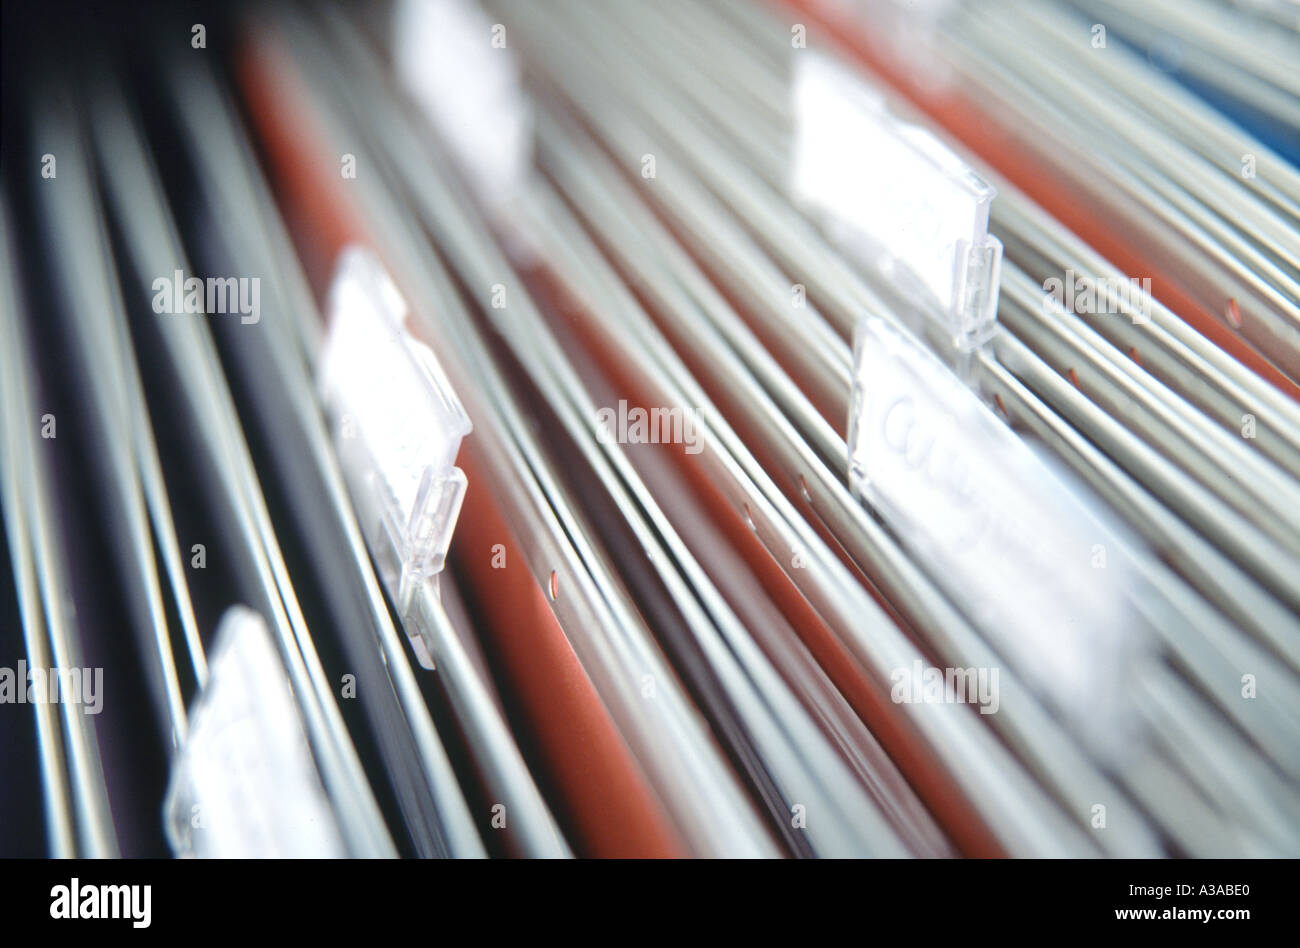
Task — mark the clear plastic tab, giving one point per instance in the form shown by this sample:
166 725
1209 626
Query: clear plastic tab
245 784
897 199
458 66
1019 552
397 426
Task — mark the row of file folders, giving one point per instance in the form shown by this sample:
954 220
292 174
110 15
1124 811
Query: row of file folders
702 428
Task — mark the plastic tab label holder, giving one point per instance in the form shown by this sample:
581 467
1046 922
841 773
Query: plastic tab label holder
1017 551
459 68
897 199
245 784
397 428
